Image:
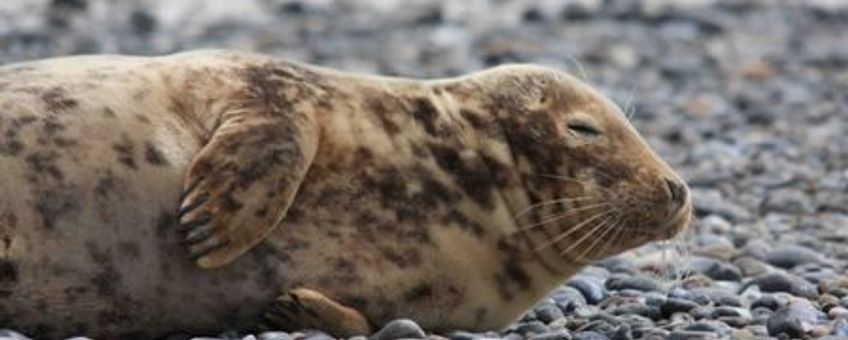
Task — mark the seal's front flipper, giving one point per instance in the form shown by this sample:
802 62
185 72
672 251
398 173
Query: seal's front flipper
240 185
306 309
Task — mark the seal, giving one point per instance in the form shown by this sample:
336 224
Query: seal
141 196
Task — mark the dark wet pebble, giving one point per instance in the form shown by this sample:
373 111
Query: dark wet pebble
793 255
401 328
591 288
768 301
794 319
555 335
677 305
531 327
716 327
714 295
568 299
640 283
714 268
548 312
589 335
782 282
692 335
651 312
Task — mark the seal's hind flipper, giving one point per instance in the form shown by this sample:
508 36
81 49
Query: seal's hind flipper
241 183
307 309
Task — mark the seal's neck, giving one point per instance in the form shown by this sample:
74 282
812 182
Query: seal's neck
492 142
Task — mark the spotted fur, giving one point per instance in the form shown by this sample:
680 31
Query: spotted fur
357 198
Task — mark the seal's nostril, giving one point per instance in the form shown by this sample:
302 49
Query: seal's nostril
677 191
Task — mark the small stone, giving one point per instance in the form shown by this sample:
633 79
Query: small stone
592 289
651 312
532 327
791 256
768 301
692 335
12 335
780 282
274 336
794 319
548 312
555 335
589 335
750 266
717 296
401 328
676 305
837 313
640 283
623 332
710 326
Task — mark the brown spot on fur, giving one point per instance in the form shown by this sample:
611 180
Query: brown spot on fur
153 155
457 217
109 113
419 292
53 203
385 108
8 277
107 277
126 152
426 114
44 163
468 172
56 100
130 248
165 224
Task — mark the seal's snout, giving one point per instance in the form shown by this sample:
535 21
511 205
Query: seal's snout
677 193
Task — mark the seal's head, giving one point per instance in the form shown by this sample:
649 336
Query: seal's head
593 186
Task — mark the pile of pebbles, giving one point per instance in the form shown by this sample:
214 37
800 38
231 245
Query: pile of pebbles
748 99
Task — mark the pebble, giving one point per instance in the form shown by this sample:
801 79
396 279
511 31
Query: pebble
555 335
592 289
794 319
792 255
782 282
640 283
401 328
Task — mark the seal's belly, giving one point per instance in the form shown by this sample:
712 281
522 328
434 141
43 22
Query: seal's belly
88 192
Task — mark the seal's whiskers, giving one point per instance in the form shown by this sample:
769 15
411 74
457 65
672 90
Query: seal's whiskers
565 234
554 201
586 236
603 233
558 217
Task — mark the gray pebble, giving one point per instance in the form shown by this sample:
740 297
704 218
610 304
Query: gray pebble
710 326
782 282
791 256
532 327
651 312
12 335
592 289
692 335
555 335
677 305
274 336
768 301
589 335
548 312
640 283
400 328
794 319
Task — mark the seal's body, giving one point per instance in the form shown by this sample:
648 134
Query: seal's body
351 200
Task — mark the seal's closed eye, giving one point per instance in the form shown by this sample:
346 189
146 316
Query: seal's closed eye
584 128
